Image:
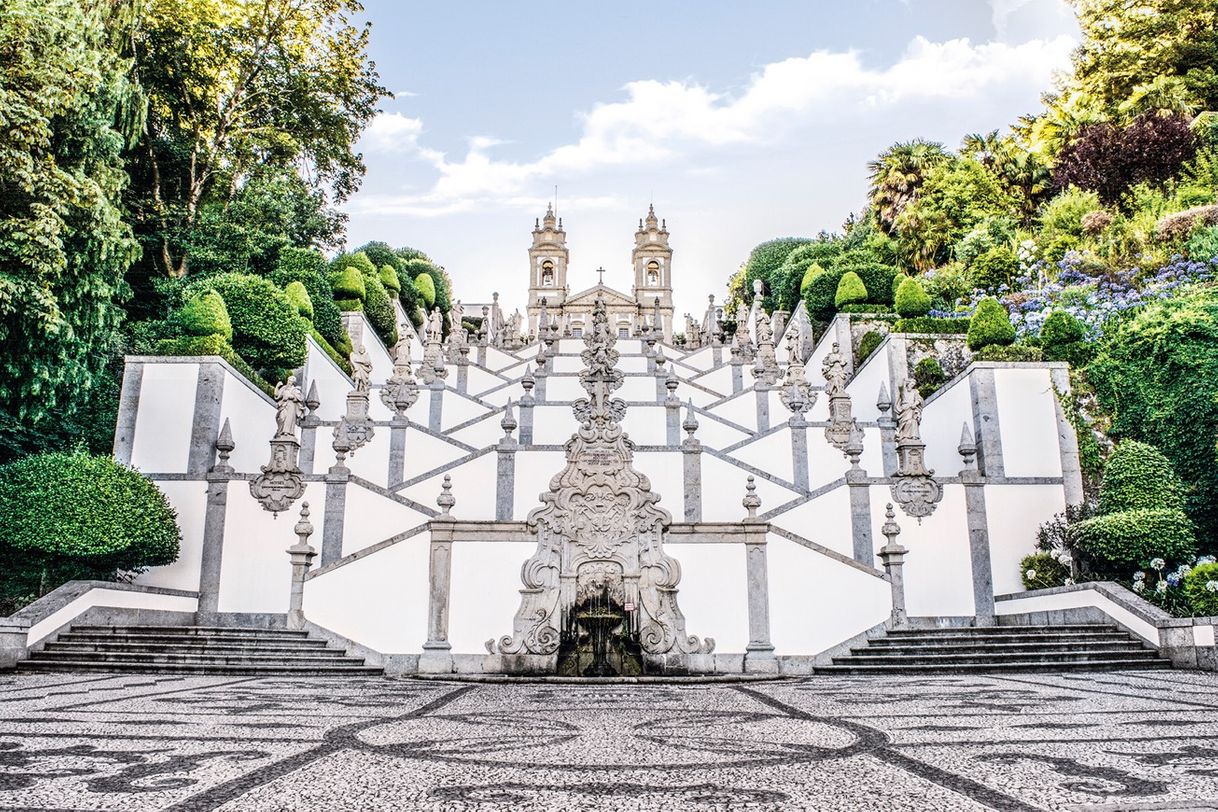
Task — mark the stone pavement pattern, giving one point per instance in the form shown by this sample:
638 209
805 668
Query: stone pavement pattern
1108 741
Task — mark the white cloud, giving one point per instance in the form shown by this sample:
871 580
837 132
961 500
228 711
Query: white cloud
659 121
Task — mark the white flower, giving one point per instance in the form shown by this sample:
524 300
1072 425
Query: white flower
1139 586
1211 586
1069 582
1161 586
1030 574
1139 576
1158 563
1206 559
1064 558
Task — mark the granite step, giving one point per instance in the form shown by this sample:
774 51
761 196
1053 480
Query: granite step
977 639
1004 666
193 631
1065 627
184 668
982 657
188 640
187 657
888 646
218 649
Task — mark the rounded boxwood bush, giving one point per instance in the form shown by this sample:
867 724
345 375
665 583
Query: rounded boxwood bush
911 301
1201 589
308 267
75 508
1061 328
868 343
389 278
1132 538
204 314
426 287
997 266
378 307
850 290
929 376
991 324
299 297
1042 571
267 332
1137 477
348 284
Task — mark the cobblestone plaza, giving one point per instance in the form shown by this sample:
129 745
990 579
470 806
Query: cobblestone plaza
1131 740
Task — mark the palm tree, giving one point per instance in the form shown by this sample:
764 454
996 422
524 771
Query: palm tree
984 148
896 175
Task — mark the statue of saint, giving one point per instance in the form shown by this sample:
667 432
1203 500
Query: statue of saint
401 351
455 316
834 371
361 369
290 409
435 326
909 413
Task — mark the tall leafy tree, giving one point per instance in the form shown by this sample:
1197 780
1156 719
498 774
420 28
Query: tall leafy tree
897 174
64 246
235 88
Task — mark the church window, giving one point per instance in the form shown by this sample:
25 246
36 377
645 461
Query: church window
577 331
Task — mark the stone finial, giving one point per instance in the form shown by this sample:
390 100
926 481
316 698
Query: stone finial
690 424
508 423
883 402
660 359
313 400
892 554
224 447
751 500
341 444
967 447
671 383
446 500
891 529
304 528
854 444
528 382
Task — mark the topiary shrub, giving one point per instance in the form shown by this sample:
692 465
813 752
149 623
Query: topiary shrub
813 271
864 307
932 325
212 345
66 516
308 267
1012 352
867 345
299 297
991 324
267 332
911 301
204 314
389 278
1132 538
1138 477
378 307
1063 338
1042 571
348 285
996 267
850 290
929 376
426 286
1201 589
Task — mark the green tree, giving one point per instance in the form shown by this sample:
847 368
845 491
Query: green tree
425 284
990 324
897 175
763 262
954 197
235 89
63 244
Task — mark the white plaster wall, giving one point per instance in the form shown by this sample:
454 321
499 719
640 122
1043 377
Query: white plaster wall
371 518
566 388
166 413
1027 422
552 425
719 380
1013 514
827 463
458 408
637 389
942 421
824 520
483 433
627 363
251 420
864 387
109 597
700 359
698 396
189 500
371 461
816 602
713 593
1077 600
485 592
332 383
938 568
646 425
255 572
569 364
426 452
534 470
498 360
379 601
714 433
771 454
664 471
723 487
740 409
479 380
474 485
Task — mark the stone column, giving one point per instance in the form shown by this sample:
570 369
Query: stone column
1072 469
128 408
336 498
505 485
691 454
762 392
437 656
672 414
985 419
860 499
893 556
302 555
888 430
541 382
213 528
437 405
799 449
397 450
737 370
14 641
526 409
463 368
978 531
308 430
759 653
209 392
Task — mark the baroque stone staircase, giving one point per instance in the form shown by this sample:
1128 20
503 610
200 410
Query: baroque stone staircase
1079 647
193 650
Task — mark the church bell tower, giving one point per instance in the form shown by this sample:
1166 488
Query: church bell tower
652 261
547 267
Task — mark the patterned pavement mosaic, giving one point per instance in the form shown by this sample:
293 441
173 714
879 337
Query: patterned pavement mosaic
1102 741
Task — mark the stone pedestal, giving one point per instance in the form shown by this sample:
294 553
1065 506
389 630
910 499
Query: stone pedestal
14 634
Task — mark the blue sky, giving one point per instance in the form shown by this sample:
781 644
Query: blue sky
742 121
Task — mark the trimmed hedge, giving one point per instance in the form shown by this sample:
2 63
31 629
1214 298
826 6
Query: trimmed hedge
348 284
1201 589
1132 538
864 307
426 286
65 516
299 297
378 307
267 332
821 291
1013 352
1139 477
212 345
991 324
389 278
1063 338
868 344
931 325
1042 571
911 301
929 376
204 314
308 267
